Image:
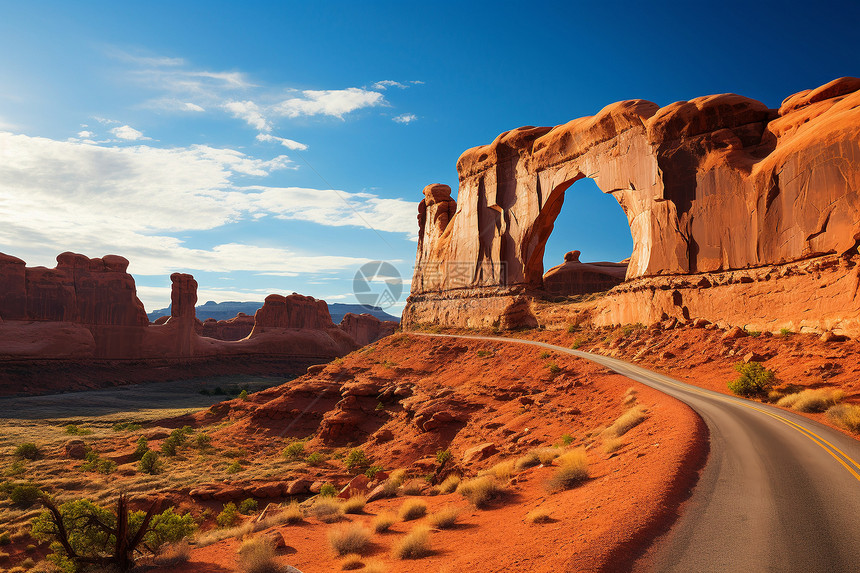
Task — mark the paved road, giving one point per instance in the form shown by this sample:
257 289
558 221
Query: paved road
779 492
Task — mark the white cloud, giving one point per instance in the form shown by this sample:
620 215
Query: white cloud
288 143
57 196
405 118
335 103
128 133
172 105
250 112
385 84
85 134
188 106
105 121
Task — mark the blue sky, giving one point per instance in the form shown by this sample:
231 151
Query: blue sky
277 146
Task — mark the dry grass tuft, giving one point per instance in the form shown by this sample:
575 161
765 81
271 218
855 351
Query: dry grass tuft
538 515
172 554
257 555
449 485
352 538
355 504
572 470
383 521
810 400
502 470
628 420
612 445
445 518
412 509
414 545
327 509
374 567
350 562
529 460
547 455
480 491
846 416
292 514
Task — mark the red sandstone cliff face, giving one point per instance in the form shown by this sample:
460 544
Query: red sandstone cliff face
366 328
235 328
718 183
88 309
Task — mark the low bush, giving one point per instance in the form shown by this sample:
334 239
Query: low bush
328 490
94 463
257 555
412 509
445 518
443 457
24 495
357 459
352 538
383 521
142 448
73 430
538 516
627 421
327 509
812 400
27 451
202 441
243 395
234 468
572 470
355 504
480 491
566 439
229 515
350 562
449 485
553 367
294 451
248 506
526 461
293 514
545 354
372 471
5 538
754 380
149 463
846 416
414 545
126 427
314 459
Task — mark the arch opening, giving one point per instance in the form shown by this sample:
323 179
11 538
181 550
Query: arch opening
583 244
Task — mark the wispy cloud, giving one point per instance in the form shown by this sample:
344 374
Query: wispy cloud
405 118
385 84
250 112
288 143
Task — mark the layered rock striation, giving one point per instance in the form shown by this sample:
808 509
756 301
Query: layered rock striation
711 185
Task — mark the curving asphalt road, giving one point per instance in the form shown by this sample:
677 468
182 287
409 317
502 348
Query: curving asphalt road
779 492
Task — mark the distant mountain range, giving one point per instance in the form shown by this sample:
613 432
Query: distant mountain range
227 310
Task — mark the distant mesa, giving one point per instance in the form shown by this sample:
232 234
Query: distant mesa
86 310
573 277
230 309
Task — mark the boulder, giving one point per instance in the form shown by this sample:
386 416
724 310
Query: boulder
357 485
299 486
76 449
479 452
733 333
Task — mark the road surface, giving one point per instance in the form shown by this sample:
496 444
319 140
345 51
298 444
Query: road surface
779 492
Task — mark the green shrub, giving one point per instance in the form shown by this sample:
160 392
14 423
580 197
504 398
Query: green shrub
545 354
443 457
142 448
294 451
96 464
328 490
165 527
577 343
76 431
553 367
315 459
149 463
16 468
25 495
5 538
248 506
566 439
243 395
785 332
754 380
372 471
28 451
168 447
571 328
229 515
126 426
234 468
202 441
357 459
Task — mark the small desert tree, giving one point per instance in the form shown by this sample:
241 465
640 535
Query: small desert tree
87 534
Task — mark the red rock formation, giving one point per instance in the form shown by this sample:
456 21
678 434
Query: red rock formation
714 184
366 328
293 311
183 296
574 277
235 328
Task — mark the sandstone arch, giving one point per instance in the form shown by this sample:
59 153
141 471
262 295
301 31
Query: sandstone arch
715 184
